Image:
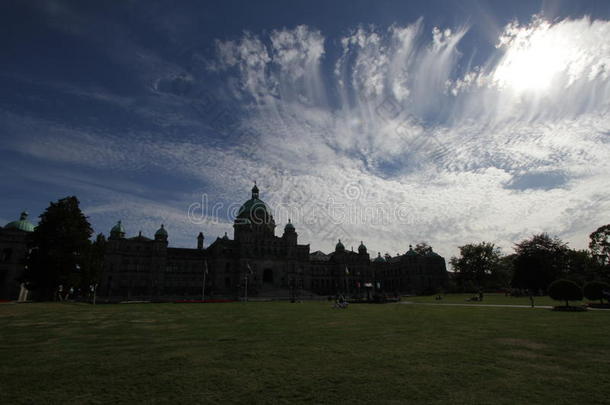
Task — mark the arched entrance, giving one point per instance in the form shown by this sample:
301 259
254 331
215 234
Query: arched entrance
268 276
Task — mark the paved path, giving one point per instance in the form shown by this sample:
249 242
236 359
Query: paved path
491 305
477 305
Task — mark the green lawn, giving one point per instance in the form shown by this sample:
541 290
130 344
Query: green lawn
287 353
495 299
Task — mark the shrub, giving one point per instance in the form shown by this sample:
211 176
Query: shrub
565 290
594 290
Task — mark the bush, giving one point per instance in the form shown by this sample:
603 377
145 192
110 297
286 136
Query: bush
594 290
565 290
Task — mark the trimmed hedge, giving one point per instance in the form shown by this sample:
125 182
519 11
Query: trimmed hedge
594 290
565 290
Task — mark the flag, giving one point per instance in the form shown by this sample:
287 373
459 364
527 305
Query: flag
346 271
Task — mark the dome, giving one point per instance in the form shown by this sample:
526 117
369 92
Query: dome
411 252
161 233
339 247
118 230
225 237
254 210
379 259
289 227
361 248
22 224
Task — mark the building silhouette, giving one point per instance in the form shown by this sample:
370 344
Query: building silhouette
254 263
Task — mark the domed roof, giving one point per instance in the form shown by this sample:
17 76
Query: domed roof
118 228
161 232
379 259
411 252
361 247
254 210
225 237
289 226
22 224
339 246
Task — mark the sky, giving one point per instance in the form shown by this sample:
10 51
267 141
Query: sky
388 122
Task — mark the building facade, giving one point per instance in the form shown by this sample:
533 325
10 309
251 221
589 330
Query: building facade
256 262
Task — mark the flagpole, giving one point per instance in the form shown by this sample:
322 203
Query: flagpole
347 280
248 272
246 300
205 272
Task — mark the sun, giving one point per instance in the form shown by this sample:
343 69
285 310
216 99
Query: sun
533 58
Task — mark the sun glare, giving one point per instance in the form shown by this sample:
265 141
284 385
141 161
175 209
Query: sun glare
533 58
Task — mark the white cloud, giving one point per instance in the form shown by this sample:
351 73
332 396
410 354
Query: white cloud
442 158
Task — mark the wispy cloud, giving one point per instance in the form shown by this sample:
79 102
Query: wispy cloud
390 126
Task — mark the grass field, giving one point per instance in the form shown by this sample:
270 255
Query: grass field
287 353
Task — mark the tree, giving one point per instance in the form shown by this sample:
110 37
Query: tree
600 247
539 261
58 245
423 248
565 290
476 264
94 262
581 266
594 290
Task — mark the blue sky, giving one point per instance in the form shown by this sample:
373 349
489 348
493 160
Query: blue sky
388 122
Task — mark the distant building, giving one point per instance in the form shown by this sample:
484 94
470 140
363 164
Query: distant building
270 265
13 251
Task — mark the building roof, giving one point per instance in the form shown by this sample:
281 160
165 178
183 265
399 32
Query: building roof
319 256
22 224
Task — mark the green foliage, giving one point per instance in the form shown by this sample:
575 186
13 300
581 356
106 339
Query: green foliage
565 290
477 264
538 261
594 290
600 243
93 263
581 266
58 248
600 247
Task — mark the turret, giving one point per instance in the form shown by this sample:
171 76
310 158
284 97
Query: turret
200 241
361 249
290 234
161 234
117 231
339 247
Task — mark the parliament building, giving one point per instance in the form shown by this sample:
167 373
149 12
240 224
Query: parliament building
255 263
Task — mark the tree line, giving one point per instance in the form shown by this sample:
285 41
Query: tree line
535 263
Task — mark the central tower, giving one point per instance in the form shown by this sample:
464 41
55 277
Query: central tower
254 220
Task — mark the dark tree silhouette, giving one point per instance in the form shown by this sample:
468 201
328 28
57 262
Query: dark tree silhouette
476 264
58 247
594 290
600 247
94 262
539 261
565 290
